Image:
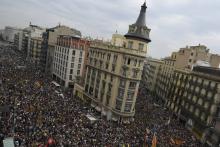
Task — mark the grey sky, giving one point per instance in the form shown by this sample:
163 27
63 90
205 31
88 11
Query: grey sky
174 23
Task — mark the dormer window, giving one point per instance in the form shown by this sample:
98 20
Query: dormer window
130 44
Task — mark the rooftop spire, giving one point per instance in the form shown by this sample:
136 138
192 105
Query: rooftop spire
139 30
141 18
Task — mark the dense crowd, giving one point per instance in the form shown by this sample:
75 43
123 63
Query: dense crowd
32 112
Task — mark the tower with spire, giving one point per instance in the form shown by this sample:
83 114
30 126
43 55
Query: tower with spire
139 30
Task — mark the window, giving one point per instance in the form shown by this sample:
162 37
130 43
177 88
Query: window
191 54
72 65
107 99
73 53
135 73
79 66
122 83
139 63
91 90
141 46
120 93
96 93
80 60
113 68
130 44
80 54
128 107
106 66
73 58
78 72
81 46
87 87
190 60
103 84
118 104
100 64
103 55
129 60
70 77
71 71
109 87
124 72
132 85
130 95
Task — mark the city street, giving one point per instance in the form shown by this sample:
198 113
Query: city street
33 113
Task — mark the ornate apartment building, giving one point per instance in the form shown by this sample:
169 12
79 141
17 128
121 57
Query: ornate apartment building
113 72
195 98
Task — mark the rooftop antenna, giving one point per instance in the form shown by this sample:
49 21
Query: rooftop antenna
30 23
59 24
116 31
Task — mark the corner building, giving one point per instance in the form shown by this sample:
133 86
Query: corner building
113 72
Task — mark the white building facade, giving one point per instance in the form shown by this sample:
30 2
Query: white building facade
67 64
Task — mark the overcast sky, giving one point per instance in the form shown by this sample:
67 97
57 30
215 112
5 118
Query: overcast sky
173 23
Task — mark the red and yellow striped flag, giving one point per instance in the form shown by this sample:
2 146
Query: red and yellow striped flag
154 141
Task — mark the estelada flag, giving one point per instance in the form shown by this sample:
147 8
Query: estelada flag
154 141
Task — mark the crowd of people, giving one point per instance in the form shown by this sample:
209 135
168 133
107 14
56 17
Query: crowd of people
35 115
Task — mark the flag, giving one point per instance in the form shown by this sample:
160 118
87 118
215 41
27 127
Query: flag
154 141
177 141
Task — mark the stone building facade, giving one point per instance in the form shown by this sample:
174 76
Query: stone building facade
195 98
152 67
114 72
